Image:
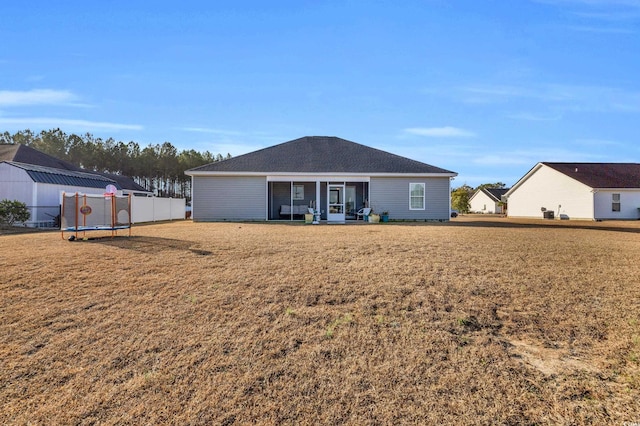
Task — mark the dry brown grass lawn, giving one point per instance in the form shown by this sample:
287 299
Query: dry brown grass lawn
472 322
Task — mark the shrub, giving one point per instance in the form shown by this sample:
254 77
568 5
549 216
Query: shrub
13 211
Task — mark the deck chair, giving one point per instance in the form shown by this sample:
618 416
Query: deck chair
363 212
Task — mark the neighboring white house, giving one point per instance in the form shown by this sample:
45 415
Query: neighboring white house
38 180
335 176
40 188
487 200
590 191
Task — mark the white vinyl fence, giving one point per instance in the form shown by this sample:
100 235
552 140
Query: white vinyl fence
152 209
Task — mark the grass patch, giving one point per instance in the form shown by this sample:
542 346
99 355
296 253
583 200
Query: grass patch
407 323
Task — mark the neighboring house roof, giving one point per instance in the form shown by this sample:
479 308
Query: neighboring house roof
320 154
27 155
593 175
601 175
125 182
42 174
495 193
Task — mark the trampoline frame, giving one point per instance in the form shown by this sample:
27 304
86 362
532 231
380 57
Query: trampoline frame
80 219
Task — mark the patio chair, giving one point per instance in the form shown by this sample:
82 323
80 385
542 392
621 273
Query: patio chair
363 212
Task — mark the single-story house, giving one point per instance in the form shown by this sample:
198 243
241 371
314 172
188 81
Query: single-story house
37 179
334 176
591 191
487 200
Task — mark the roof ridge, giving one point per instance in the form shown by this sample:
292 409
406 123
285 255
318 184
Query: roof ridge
321 154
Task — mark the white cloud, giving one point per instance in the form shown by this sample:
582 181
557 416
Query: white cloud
532 157
563 97
634 4
74 125
599 143
36 97
492 94
212 131
235 142
601 30
440 132
600 16
527 116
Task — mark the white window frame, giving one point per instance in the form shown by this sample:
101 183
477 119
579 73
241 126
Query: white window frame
424 195
297 192
615 202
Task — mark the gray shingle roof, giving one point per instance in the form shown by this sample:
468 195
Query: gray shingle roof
601 175
495 193
125 182
42 174
320 154
27 155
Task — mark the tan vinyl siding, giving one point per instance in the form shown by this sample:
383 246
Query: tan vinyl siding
392 195
229 198
555 191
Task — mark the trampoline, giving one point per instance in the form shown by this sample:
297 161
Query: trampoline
81 213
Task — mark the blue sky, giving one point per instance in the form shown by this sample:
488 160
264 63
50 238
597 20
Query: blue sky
486 88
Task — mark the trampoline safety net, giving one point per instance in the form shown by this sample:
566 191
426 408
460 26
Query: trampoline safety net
94 212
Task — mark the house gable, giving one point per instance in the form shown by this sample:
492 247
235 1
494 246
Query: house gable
546 188
486 200
577 190
481 202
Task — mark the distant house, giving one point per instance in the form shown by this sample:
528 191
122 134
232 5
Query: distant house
336 176
38 179
592 191
487 200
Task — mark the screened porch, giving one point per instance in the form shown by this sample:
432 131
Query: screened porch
335 200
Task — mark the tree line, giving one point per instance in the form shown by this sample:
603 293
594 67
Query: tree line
157 167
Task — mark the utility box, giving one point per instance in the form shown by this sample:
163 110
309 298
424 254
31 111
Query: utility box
548 214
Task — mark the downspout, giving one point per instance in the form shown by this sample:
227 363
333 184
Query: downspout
449 191
368 203
266 199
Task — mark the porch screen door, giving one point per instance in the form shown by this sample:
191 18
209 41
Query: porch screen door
335 209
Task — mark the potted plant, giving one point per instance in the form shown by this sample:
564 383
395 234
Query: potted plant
374 217
384 216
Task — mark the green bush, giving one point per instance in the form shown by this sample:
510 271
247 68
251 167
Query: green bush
13 211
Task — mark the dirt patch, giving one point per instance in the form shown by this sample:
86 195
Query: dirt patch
550 360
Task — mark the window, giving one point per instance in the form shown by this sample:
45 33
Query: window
298 192
615 202
416 196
